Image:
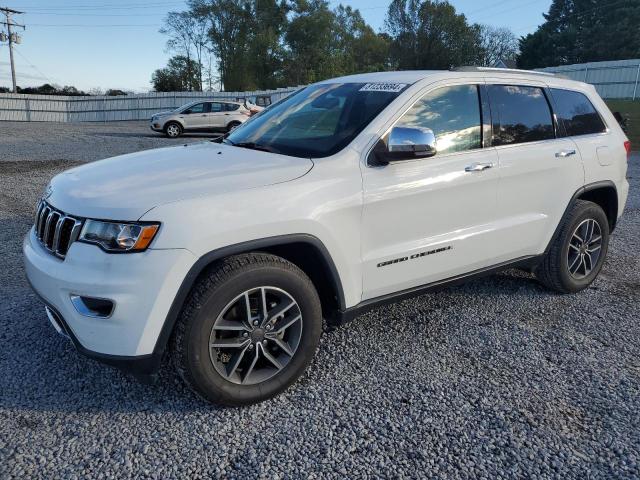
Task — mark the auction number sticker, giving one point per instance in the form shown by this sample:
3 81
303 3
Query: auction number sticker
383 87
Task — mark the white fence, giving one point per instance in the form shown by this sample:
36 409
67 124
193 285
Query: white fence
48 108
615 79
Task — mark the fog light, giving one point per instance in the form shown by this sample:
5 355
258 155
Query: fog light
92 307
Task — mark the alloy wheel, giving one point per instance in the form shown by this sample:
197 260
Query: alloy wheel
173 130
585 247
256 335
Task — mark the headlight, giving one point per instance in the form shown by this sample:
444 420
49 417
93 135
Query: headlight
118 237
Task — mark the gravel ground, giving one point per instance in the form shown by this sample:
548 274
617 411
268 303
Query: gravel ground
495 379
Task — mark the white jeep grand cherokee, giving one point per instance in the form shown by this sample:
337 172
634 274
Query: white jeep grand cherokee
350 193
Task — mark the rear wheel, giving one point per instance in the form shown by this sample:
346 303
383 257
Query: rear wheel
233 125
578 253
173 130
249 329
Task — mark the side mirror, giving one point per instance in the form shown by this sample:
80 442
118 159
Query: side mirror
405 143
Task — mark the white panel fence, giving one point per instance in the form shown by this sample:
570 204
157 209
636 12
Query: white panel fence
49 108
615 79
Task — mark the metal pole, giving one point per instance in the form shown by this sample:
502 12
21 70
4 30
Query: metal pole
13 67
635 88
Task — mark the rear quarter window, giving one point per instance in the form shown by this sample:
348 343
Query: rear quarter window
577 113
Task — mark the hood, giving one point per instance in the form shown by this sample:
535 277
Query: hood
162 114
127 186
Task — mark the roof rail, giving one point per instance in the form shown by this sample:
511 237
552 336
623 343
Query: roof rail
500 70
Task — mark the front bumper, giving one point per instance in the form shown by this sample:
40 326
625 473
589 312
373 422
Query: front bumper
142 286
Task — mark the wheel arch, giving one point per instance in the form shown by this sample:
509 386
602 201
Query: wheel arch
603 193
304 250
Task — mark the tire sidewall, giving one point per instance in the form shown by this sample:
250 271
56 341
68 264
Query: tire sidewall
591 212
233 124
205 376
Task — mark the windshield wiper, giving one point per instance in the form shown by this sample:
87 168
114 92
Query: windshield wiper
253 146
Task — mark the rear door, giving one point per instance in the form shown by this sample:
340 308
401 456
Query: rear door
587 129
540 169
217 115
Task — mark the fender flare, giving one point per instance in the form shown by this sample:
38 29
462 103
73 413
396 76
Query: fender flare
252 245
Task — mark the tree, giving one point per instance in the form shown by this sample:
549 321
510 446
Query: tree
430 35
496 44
187 37
180 75
579 31
229 25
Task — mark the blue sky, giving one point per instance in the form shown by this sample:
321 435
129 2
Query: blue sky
116 44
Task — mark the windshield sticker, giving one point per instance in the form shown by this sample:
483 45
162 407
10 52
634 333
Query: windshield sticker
383 87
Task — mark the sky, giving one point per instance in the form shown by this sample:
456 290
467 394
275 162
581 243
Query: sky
116 44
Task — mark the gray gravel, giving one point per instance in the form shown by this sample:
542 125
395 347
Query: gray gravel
495 379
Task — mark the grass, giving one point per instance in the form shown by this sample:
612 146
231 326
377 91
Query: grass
629 109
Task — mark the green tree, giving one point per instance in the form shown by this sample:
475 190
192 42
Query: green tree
180 75
496 44
266 50
430 35
578 31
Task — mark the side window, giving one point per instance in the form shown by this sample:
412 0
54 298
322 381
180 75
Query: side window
453 113
577 113
216 107
197 108
520 114
230 107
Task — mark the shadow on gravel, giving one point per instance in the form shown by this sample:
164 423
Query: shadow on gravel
48 374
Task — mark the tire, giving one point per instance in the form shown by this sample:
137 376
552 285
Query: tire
562 269
233 125
209 371
173 129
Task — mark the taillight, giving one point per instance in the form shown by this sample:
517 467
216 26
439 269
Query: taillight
627 147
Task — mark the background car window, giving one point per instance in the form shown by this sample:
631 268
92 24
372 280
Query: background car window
230 107
453 113
216 107
520 114
577 113
197 108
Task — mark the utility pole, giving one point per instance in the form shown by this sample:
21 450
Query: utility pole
7 13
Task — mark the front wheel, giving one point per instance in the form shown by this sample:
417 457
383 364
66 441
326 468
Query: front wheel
173 130
233 125
576 256
248 330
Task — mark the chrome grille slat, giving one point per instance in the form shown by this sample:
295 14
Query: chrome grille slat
55 230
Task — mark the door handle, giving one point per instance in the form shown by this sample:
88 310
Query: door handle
565 153
203 115
477 167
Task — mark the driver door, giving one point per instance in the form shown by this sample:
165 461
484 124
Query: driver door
425 220
196 116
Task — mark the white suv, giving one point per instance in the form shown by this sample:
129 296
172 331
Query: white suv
350 193
201 117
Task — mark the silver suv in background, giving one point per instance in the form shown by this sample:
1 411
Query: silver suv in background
201 116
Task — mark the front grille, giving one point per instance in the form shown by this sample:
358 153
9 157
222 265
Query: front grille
55 230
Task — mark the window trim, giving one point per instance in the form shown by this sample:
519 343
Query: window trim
554 121
564 128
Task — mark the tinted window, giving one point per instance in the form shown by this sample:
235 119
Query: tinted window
216 107
577 113
520 114
197 108
230 107
317 121
453 113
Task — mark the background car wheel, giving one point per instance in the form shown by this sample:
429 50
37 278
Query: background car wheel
248 330
173 130
576 256
233 125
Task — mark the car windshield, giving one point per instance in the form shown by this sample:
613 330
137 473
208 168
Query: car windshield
317 121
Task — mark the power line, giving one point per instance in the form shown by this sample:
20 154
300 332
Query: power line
89 25
33 66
